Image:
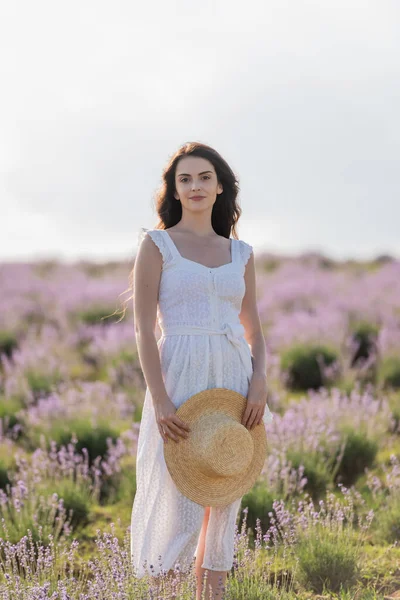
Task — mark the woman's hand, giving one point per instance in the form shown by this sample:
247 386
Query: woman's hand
169 425
256 401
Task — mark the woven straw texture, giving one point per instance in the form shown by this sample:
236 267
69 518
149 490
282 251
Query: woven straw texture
214 469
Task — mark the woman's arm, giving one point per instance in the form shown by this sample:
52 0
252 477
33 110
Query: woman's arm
147 274
250 319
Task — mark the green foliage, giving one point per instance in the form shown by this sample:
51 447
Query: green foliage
253 587
98 315
359 453
4 479
9 408
94 439
394 402
89 436
327 263
121 486
302 368
259 502
389 372
327 561
383 259
269 264
75 498
315 470
42 383
346 384
365 335
8 342
7 464
42 514
387 521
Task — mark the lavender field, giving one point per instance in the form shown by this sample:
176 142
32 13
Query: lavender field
323 521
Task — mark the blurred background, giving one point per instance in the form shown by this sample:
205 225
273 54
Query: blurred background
301 98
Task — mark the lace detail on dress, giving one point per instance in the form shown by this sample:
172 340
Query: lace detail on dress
157 235
245 251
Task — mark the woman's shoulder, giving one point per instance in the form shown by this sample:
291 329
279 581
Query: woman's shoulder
158 237
245 250
152 232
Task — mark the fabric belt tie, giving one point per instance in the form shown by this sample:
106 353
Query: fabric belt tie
233 331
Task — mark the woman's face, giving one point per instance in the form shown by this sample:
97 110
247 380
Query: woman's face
195 176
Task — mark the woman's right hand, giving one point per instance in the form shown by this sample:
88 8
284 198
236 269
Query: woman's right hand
169 424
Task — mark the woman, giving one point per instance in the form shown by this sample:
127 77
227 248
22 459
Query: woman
200 284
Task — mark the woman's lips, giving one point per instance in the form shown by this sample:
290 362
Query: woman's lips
197 197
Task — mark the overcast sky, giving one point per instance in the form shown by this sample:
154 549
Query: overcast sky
302 98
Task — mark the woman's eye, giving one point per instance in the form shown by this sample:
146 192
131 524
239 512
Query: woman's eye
185 178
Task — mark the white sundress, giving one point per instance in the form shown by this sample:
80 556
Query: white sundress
201 347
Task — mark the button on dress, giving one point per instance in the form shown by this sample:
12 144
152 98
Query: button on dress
202 346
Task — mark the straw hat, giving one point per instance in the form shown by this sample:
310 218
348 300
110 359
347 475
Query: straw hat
221 459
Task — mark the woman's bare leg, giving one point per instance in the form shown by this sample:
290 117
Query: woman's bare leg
200 572
210 584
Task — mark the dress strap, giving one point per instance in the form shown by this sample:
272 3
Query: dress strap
160 240
170 244
244 252
234 250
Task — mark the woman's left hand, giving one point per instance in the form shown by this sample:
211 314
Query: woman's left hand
256 401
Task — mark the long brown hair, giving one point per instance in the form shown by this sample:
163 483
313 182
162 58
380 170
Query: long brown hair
226 211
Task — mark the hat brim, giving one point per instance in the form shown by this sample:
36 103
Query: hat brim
180 459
